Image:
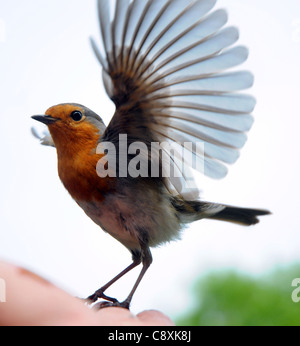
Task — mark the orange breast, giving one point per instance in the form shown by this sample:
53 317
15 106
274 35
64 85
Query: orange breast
77 163
80 178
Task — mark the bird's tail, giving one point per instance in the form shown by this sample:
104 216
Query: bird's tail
189 211
242 216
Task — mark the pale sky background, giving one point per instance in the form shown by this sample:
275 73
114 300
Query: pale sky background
46 59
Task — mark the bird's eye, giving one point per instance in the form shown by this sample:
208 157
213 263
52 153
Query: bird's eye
76 116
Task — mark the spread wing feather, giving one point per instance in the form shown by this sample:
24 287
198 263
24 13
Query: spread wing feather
166 65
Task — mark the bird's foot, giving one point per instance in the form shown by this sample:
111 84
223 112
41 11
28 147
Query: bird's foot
108 301
103 305
100 295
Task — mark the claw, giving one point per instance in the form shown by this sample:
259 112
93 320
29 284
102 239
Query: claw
103 305
92 299
100 295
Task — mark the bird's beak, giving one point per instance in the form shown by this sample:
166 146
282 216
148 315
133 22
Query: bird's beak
45 119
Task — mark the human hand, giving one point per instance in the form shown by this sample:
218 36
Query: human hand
33 301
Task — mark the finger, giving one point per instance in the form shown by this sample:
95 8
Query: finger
32 301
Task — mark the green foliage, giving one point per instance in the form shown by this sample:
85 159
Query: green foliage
231 299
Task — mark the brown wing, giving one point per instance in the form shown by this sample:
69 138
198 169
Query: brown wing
163 66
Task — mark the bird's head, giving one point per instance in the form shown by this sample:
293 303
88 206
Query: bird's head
72 126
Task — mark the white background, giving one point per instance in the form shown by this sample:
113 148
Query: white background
46 59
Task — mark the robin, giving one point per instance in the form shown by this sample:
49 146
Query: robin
166 66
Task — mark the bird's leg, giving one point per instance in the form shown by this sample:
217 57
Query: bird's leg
100 293
146 260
